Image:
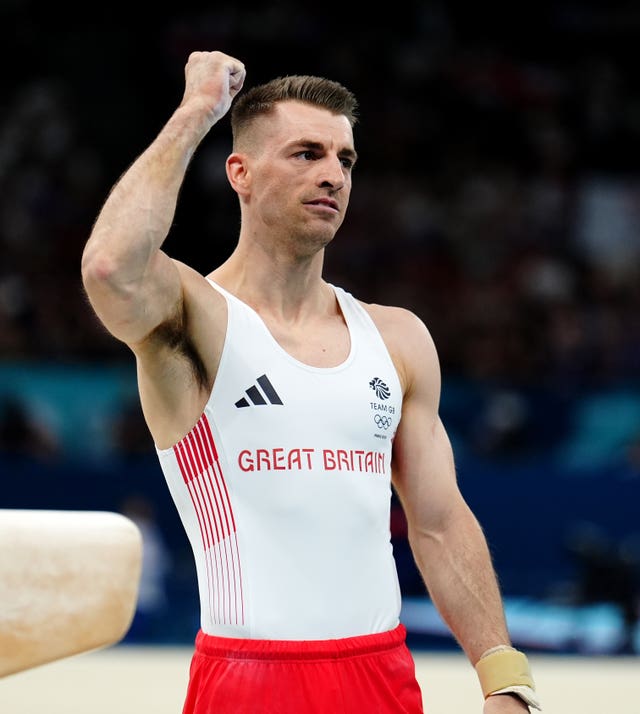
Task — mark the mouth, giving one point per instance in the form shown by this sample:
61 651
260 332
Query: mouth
324 203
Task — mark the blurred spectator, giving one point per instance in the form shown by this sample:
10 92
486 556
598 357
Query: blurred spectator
502 428
22 434
608 573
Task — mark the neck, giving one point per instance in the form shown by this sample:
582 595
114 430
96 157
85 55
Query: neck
284 286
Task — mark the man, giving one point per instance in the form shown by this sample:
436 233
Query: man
276 402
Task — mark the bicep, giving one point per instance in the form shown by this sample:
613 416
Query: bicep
424 474
423 462
132 309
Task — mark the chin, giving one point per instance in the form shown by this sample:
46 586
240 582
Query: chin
310 243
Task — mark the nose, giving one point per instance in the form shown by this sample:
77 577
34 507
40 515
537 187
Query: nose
332 173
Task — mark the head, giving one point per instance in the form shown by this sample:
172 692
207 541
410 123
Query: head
292 158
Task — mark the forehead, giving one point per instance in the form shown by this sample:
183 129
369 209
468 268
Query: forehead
291 121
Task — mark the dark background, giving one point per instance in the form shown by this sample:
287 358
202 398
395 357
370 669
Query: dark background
496 195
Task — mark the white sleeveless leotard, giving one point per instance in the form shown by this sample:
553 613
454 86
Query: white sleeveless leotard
284 485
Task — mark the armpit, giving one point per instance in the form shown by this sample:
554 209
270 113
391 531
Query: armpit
173 335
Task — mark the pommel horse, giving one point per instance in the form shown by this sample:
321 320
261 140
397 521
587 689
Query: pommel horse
68 583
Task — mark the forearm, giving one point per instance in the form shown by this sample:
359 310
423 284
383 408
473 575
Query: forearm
138 213
457 569
133 286
447 542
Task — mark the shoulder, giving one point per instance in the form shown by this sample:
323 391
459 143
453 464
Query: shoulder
408 340
400 326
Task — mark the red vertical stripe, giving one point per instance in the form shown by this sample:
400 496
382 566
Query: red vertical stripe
197 458
211 513
205 423
220 507
188 477
210 441
209 518
224 496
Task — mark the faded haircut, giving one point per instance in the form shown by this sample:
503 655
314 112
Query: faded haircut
318 91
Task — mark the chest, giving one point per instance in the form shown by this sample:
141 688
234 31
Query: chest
321 343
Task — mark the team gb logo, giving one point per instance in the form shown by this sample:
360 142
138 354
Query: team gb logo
380 388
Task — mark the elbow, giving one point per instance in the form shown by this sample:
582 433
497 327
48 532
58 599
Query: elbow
97 269
420 538
93 265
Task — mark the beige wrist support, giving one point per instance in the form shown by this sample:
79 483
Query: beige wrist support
505 670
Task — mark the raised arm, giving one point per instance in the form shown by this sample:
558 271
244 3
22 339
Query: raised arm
446 539
132 285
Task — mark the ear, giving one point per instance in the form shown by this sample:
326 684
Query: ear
238 173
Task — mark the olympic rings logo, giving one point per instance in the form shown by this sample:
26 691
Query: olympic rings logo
382 422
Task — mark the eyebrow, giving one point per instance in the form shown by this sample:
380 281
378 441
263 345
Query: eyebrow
318 146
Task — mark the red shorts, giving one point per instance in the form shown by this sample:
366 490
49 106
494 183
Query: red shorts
370 674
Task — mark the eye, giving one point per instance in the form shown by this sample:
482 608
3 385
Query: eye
307 155
347 163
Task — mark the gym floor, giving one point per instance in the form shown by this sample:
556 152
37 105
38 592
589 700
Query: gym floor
132 680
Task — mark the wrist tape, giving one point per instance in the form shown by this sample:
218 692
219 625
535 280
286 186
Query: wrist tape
501 668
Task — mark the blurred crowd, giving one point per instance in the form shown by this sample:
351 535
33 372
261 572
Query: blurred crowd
497 193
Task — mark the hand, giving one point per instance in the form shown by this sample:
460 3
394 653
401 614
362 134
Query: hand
505 704
212 80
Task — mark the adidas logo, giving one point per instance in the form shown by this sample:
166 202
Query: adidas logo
268 395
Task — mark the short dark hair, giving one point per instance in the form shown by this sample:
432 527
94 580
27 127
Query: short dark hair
318 91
